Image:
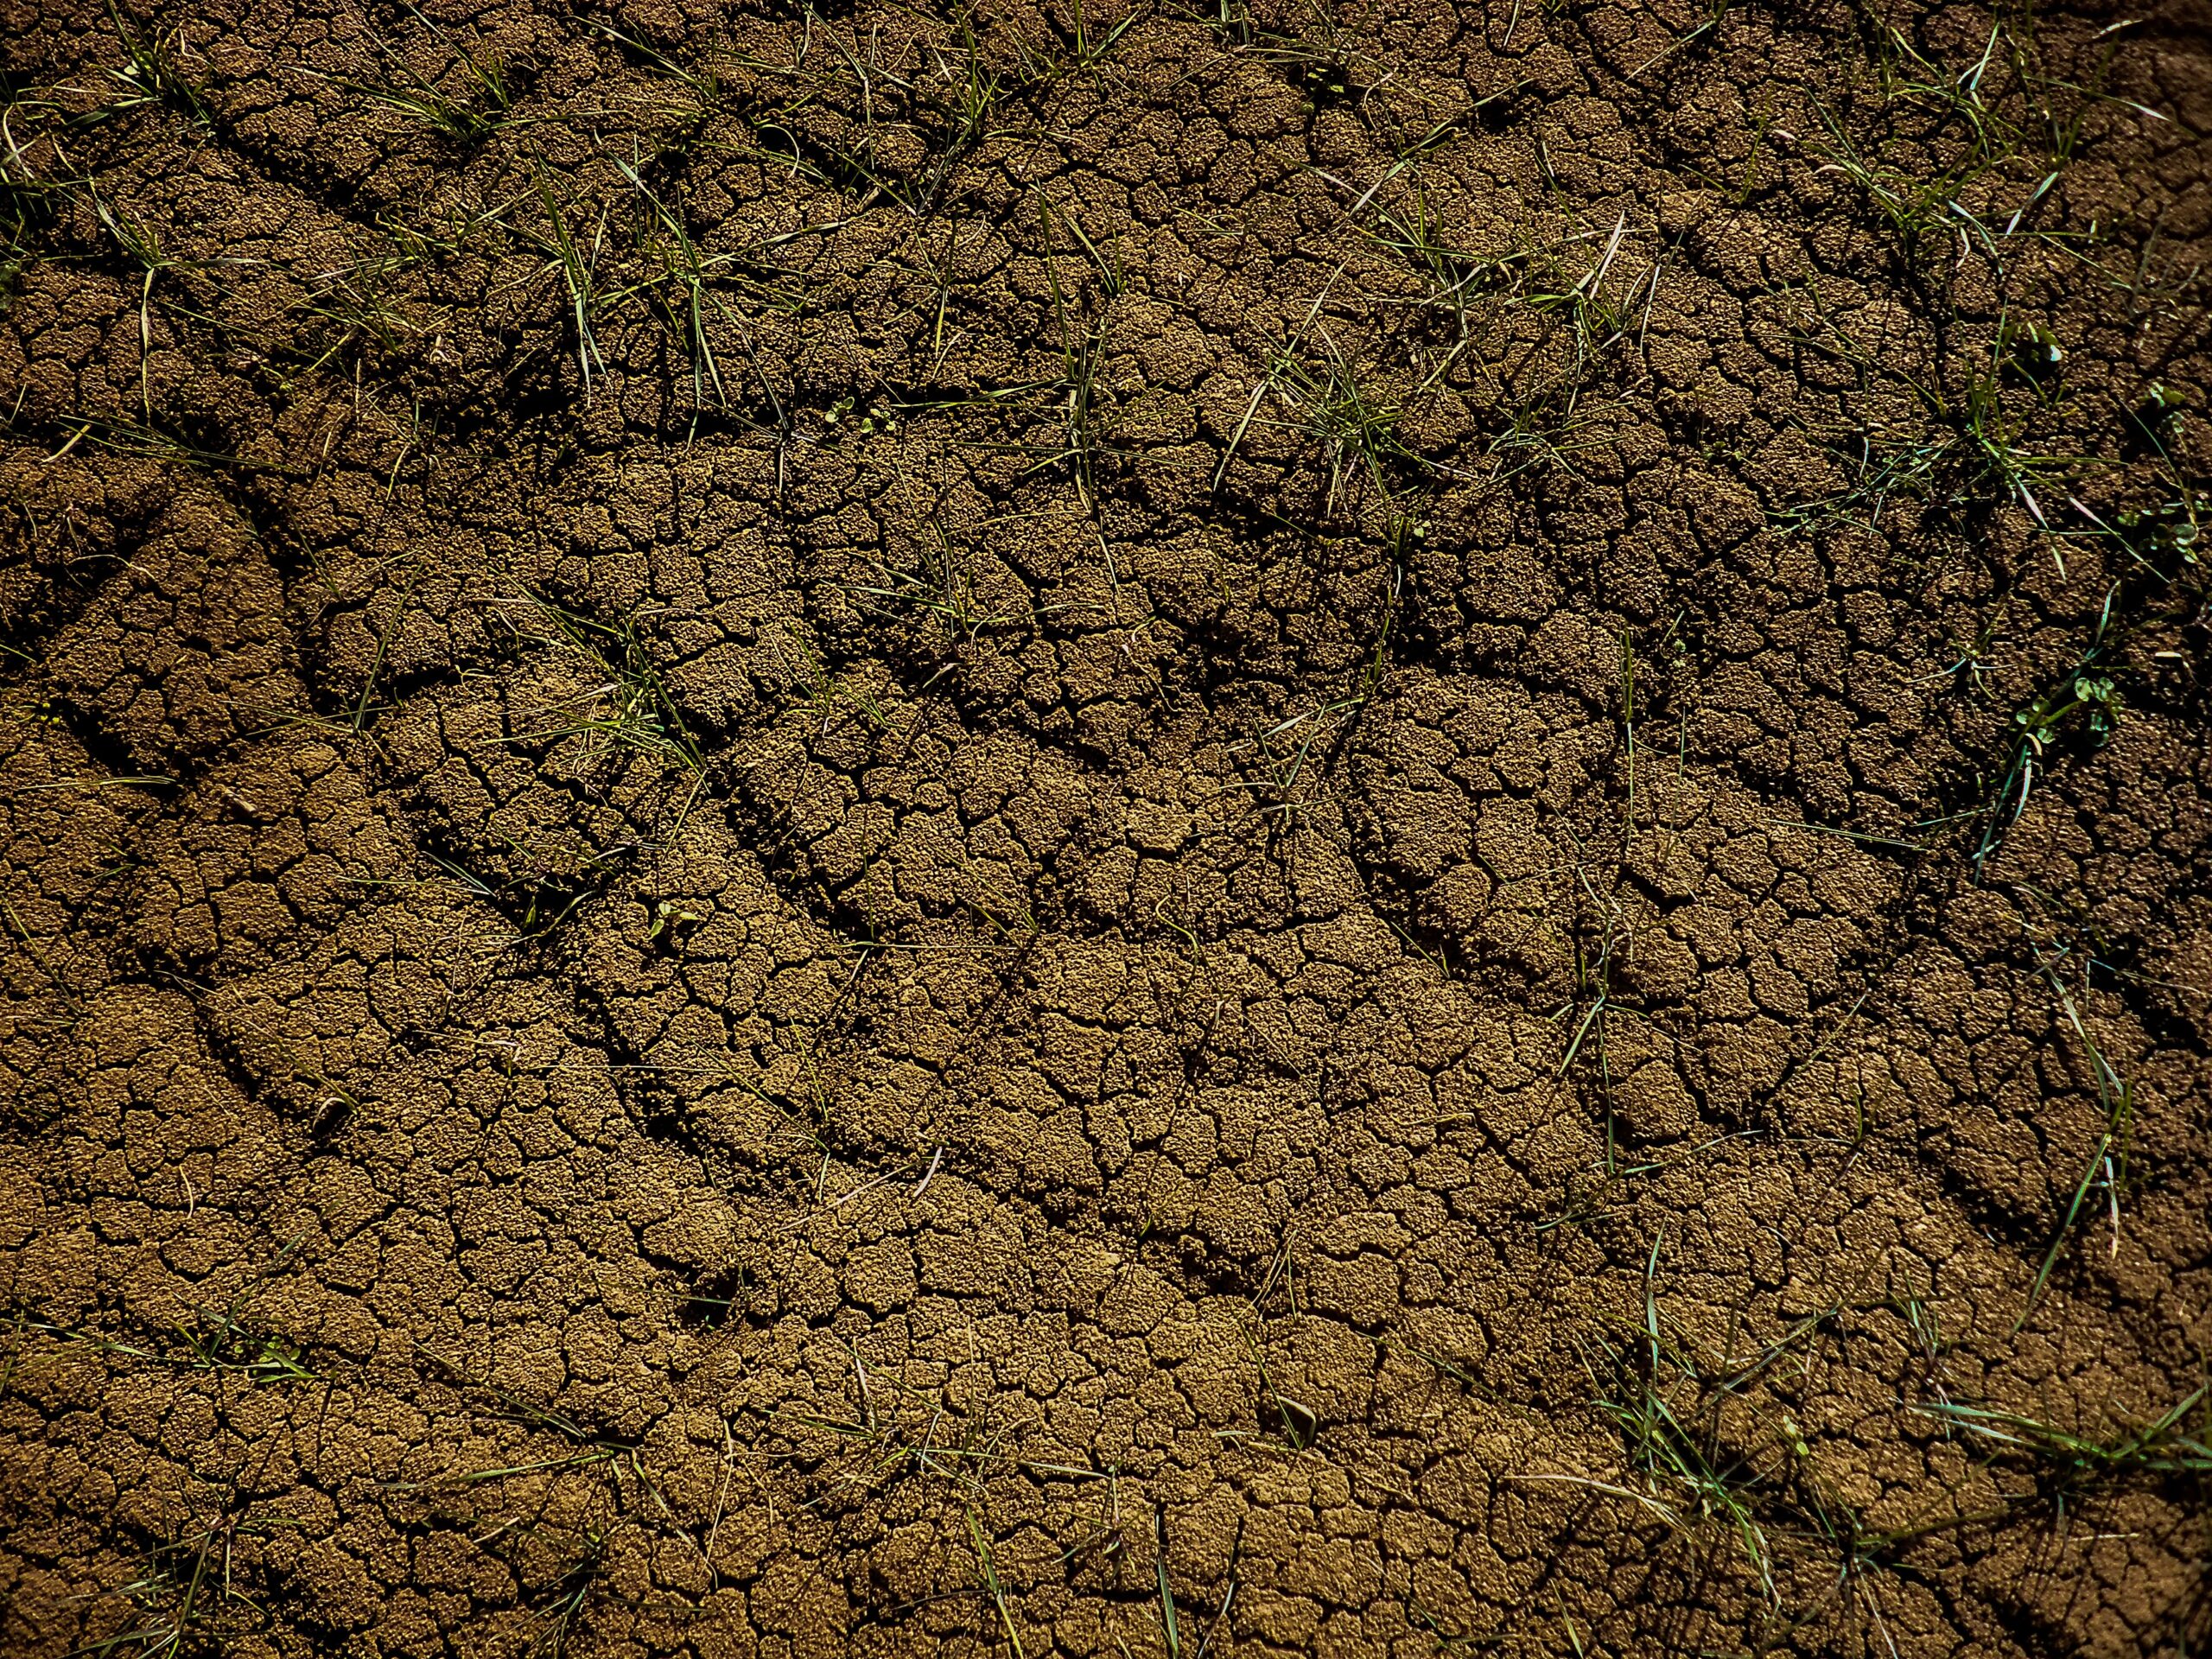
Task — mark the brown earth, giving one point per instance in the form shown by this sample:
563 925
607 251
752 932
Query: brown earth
1000 831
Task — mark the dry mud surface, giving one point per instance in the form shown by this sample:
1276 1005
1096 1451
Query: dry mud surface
1280 831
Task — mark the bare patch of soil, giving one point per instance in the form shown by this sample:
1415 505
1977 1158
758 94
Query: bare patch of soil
1286 829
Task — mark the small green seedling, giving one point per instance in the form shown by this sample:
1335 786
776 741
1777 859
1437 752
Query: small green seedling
2089 694
1324 82
2032 351
849 415
2083 695
2161 404
2168 535
670 915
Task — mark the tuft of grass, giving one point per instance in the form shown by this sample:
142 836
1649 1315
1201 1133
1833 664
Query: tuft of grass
1953 162
1231 19
1960 444
1328 400
1450 277
679 273
359 305
485 105
1079 49
703 82
27 196
208 1340
1988 117
385 635
1704 1485
1324 60
987 1564
1089 48
2108 1161
681 266
1286 747
939 584
204 1345
1665 1403
1863 1552
576 264
2161 576
963 96
1082 353
187 1595
1594 311
537 903
631 707
140 244
152 76
1299 1424
1355 423
2167 1445
1911 203
1593 980
1171 1629
556 1622
222 1345
1534 325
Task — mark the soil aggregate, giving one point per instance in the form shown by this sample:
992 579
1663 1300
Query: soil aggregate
1284 827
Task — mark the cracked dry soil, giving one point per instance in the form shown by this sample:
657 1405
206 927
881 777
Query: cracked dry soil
902 830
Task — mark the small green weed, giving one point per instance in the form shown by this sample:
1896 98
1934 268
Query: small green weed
2085 695
2163 541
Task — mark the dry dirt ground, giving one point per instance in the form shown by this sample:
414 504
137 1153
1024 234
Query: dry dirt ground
1004 831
